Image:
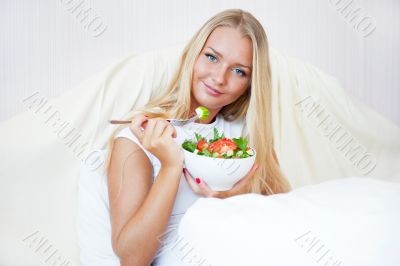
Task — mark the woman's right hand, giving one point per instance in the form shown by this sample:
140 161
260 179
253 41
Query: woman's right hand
157 138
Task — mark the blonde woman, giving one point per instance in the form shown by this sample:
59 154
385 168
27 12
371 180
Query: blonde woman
224 67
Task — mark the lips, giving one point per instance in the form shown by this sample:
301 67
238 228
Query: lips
211 90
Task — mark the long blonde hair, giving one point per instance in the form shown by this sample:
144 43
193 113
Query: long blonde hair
254 105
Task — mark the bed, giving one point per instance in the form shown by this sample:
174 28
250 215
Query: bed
40 162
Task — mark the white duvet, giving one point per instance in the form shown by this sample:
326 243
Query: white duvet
354 221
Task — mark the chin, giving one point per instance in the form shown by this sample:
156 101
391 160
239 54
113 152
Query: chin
208 101
210 104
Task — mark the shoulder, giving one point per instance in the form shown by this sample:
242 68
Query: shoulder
127 155
128 134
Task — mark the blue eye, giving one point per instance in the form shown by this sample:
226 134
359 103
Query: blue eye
240 72
211 57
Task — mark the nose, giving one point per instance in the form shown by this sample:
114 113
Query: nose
219 76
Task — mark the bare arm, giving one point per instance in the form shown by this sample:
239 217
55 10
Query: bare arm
140 210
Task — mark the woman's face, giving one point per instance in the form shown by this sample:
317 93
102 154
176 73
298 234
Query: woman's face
222 70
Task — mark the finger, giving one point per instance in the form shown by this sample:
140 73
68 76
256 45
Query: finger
205 189
174 133
135 126
190 180
144 124
159 128
199 186
147 137
140 120
169 131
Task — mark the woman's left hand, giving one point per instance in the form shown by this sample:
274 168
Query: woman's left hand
201 188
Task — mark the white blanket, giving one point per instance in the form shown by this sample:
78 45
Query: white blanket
351 221
40 160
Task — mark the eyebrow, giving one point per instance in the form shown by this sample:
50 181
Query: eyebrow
220 55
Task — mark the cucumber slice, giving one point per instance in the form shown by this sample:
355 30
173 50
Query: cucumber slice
202 112
250 152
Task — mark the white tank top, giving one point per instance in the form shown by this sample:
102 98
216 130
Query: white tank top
185 196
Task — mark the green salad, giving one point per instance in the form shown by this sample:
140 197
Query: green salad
219 146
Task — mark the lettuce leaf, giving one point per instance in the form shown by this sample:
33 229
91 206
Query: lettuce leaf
198 136
216 136
241 143
189 145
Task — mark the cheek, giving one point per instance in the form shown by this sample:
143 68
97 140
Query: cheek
200 69
239 85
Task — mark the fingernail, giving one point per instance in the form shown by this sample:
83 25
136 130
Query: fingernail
198 180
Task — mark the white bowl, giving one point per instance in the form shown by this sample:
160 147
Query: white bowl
219 173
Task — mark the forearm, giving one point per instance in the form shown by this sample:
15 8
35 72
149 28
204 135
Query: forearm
139 239
230 193
222 194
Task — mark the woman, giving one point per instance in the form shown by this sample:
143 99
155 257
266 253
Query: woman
225 67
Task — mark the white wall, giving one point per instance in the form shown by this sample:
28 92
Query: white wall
44 47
